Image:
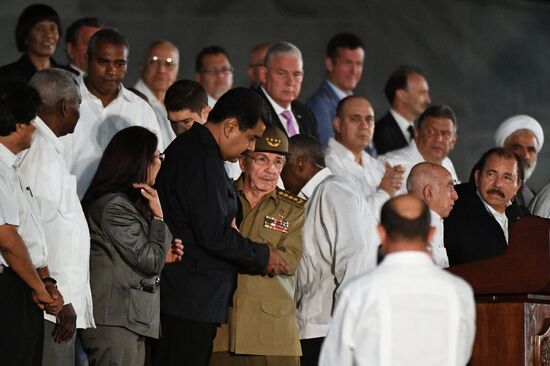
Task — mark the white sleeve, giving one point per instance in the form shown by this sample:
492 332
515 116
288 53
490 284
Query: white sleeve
9 207
338 347
151 122
540 205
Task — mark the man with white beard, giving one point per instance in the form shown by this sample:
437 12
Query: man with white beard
524 136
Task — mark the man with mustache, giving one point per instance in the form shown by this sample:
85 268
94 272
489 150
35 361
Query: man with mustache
434 185
435 137
523 135
478 226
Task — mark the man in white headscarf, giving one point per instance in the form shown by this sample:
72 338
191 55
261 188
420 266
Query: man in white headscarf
523 135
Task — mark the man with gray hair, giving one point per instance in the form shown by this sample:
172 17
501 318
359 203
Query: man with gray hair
524 136
433 184
282 78
43 168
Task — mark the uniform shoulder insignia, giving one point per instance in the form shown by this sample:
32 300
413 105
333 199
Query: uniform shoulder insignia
291 198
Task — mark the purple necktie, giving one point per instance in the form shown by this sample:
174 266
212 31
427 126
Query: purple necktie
290 124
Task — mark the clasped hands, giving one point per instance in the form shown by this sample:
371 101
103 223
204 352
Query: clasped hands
276 264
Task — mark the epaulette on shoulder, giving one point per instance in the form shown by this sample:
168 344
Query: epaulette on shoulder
291 198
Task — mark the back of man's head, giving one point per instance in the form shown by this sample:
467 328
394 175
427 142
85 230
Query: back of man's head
405 219
243 104
55 85
107 35
307 146
19 104
186 94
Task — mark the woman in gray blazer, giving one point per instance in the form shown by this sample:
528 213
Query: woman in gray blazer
129 245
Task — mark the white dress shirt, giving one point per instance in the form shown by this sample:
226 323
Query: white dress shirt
408 157
278 109
364 177
339 92
97 125
168 135
18 208
501 218
439 253
405 312
403 124
211 101
339 243
43 168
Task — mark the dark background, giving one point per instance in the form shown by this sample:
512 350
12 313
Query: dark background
486 59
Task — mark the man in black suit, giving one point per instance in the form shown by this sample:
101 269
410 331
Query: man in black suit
478 225
76 43
200 206
282 79
409 95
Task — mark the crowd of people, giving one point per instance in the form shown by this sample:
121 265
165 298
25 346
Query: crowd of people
189 222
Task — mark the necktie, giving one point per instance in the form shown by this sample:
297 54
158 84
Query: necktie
411 132
290 124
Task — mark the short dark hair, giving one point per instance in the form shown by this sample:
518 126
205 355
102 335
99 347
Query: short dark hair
244 104
186 94
398 80
207 51
107 35
401 228
33 14
308 146
438 111
347 41
502 153
74 28
342 104
126 160
19 104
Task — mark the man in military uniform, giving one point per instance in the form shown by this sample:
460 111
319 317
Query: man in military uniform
262 327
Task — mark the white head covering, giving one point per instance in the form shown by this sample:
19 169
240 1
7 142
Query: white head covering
519 122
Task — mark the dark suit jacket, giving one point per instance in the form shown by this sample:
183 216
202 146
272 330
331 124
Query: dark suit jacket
471 232
387 135
199 203
305 119
323 105
20 70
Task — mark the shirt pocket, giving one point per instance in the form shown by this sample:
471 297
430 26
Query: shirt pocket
272 236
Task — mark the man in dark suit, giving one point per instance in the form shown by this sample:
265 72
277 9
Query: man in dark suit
408 94
76 43
344 64
200 206
282 79
478 225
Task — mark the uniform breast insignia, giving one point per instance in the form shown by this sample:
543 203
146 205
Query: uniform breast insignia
276 223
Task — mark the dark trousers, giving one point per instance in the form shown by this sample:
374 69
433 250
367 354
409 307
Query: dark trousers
21 323
311 349
183 342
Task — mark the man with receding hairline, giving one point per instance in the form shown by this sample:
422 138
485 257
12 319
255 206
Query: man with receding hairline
433 184
407 311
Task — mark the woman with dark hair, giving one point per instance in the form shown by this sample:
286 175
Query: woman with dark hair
129 245
36 36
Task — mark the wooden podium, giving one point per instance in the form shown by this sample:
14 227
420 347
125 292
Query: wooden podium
513 299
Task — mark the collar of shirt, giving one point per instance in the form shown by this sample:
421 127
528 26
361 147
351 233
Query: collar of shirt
78 69
142 87
48 134
309 187
407 257
122 93
278 109
211 101
344 153
339 92
7 157
402 123
501 218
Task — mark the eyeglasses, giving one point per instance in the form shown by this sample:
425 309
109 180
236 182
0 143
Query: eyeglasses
433 133
264 161
217 70
156 61
160 156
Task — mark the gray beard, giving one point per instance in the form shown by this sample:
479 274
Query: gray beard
528 171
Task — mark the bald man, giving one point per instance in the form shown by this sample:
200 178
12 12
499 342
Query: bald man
434 185
407 311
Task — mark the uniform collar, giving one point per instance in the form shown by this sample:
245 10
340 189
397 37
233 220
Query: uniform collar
239 187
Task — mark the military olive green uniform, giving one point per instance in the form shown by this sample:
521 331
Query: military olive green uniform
263 318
